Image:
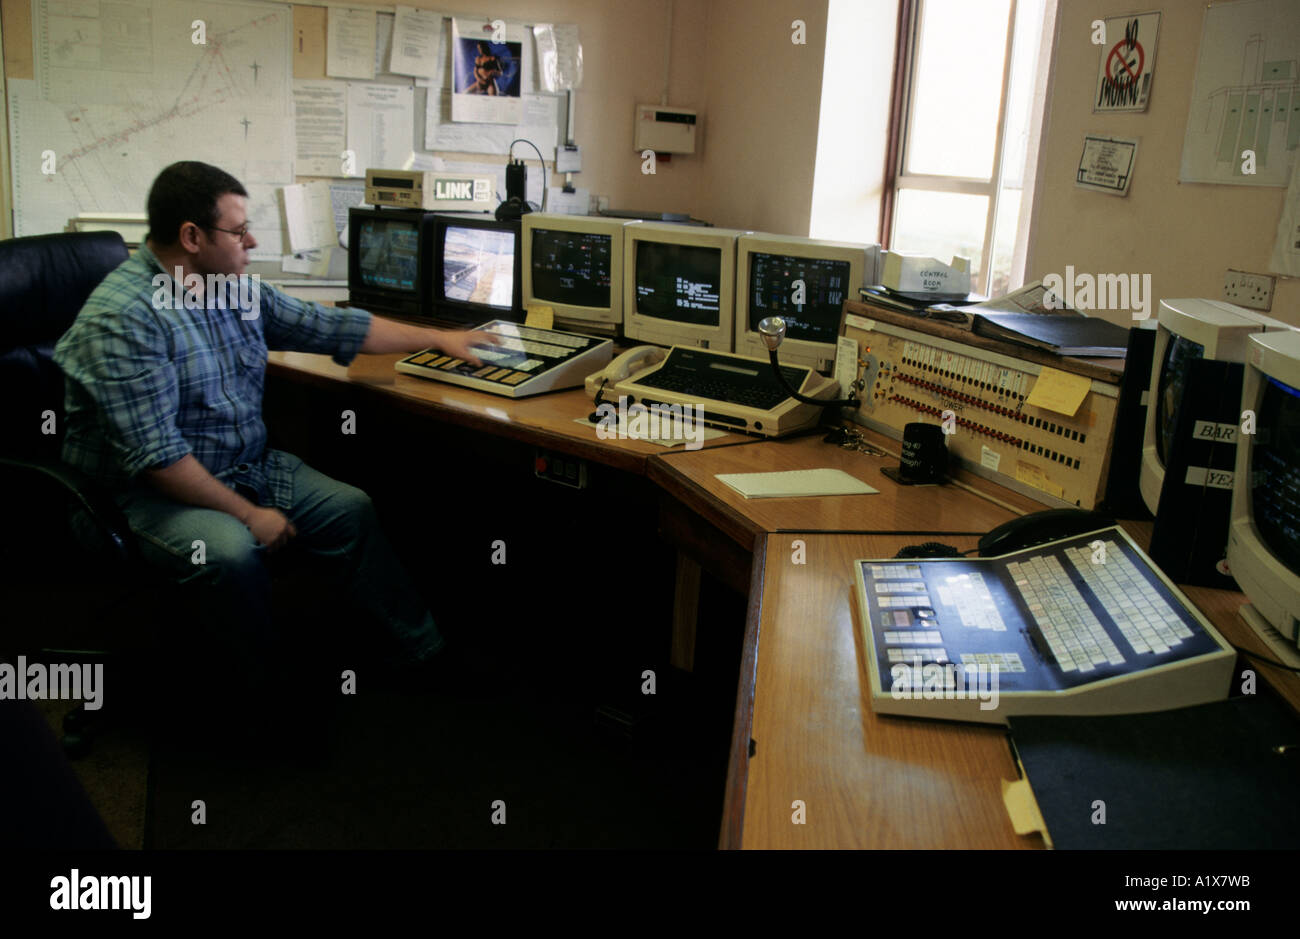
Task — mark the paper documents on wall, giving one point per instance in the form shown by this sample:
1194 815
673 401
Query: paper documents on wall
538 122
320 121
1241 120
309 216
559 57
381 126
350 43
417 39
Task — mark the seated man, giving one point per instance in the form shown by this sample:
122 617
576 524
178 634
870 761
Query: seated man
164 405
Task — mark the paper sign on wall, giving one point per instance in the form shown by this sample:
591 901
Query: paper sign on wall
1128 62
1106 164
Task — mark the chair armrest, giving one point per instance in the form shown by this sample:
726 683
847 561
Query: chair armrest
81 492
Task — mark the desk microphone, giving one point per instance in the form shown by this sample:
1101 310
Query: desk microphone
772 329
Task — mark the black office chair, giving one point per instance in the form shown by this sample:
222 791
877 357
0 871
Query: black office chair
68 561
74 580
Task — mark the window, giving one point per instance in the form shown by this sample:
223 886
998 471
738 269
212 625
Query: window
968 109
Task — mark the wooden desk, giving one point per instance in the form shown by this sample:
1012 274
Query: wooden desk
547 420
866 781
689 477
698 506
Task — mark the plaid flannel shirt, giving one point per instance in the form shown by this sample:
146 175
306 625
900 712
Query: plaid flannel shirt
147 383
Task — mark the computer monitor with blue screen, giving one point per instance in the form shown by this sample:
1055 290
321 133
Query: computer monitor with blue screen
574 264
389 255
1189 329
476 269
1264 533
803 281
679 285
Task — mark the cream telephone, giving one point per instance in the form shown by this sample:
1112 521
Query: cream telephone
631 362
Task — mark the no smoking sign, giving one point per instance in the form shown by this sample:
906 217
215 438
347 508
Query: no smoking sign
1128 63
1124 64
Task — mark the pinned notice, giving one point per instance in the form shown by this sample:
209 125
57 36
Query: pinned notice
1106 164
1059 391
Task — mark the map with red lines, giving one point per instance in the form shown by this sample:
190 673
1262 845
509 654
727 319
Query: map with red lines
124 88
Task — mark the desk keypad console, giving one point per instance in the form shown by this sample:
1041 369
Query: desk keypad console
526 361
1085 625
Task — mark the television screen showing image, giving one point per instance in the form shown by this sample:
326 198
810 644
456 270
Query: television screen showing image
572 268
478 266
681 283
772 293
1179 355
389 253
1275 472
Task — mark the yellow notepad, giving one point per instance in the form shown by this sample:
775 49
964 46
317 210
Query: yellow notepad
796 483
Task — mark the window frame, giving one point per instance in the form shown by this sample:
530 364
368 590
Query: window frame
901 115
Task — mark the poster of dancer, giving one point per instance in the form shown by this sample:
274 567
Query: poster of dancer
487 71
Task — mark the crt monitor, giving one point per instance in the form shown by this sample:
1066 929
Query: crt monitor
476 263
574 264
803 281
1189 329
1264 533
389 253
679 285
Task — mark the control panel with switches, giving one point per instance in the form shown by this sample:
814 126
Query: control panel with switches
1042 445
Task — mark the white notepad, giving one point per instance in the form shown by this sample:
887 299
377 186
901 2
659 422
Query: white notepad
795 483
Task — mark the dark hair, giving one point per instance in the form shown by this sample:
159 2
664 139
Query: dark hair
187 192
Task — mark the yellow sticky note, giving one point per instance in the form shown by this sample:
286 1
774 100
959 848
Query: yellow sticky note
540 317
1033 476
1059 391
1022 807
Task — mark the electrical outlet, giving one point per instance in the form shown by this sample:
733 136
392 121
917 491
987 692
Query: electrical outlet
1249 290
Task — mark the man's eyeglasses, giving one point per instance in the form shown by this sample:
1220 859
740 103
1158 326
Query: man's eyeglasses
240 233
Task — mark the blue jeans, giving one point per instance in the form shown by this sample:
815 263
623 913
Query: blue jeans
335 522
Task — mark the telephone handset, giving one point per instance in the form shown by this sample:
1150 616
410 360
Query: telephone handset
628 364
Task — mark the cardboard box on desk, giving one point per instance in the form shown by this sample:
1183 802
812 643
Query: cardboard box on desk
918 274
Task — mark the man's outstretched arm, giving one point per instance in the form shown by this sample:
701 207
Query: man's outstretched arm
188 481
391 336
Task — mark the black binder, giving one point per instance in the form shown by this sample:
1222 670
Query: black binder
1204 777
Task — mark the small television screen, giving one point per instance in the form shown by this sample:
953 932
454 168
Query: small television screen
1179 356
571 267
478 266
773 292
1275 472
681 283
389 251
